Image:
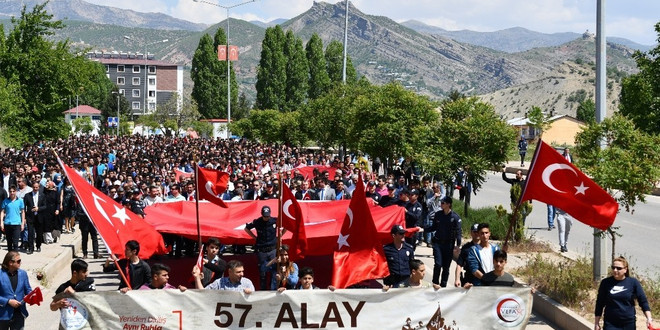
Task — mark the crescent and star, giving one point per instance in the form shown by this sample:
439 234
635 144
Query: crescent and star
547 172
343 239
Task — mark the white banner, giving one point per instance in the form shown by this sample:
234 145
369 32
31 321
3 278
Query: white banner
476 308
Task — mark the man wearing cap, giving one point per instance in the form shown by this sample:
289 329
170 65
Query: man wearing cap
270 192
447 236
371 192
136 205
461 263
398 255
390 198
266 240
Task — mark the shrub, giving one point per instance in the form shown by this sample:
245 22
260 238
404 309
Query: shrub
566 281
498 226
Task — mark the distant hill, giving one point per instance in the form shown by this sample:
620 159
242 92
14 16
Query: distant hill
381 50
514 39
80 10
269 24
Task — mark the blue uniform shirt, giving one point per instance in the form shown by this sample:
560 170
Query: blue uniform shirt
398 261
13 211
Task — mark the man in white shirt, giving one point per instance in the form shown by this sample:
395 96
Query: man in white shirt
153 196
480 257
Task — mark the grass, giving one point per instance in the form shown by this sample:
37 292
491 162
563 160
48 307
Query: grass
498 226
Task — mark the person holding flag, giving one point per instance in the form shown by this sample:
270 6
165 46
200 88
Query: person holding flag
135 271
14 286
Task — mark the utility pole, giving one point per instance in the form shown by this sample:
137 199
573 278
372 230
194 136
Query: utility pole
600 244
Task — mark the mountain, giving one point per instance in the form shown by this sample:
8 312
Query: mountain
269 24
79 10
383 51
512 40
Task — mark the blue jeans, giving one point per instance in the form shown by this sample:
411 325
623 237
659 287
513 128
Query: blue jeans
262 259
551 215
442 256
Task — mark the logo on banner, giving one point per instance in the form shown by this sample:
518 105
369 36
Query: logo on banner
509 310
75 316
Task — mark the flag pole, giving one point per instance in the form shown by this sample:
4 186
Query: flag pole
516 209
107 246
279 225
199 233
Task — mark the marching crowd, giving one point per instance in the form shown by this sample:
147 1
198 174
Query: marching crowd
39 204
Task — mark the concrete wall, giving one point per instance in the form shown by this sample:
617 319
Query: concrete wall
563 131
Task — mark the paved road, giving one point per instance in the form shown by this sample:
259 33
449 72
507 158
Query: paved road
635 228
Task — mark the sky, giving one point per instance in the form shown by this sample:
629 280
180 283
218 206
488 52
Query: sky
631 19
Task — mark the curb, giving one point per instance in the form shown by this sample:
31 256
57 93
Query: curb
63 260
559 314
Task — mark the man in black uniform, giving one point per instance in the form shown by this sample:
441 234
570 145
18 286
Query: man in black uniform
371 192
79 282
413 215
390 198
398 255
136 205
266 240
461 262
447 227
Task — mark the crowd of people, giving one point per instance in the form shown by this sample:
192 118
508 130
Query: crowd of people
39 205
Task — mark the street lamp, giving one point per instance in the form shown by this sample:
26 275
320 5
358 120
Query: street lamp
146 58
227 50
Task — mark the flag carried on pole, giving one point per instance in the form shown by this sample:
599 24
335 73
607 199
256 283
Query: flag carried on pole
116 224
292 220
211 184
553 180
359 254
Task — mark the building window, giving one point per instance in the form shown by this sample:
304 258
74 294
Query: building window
136 69
136 105
121 80
136 93
152 81
136 80
120 68
96 117
152 106
152 69
73 117
107 68
121 92
152 93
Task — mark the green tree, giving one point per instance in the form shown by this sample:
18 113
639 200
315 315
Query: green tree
586 111
271 73
334 57
640 92
538 119
242 109
319 82
38 73
220 38
177 113
83 125
297 72
206 75
271 126
627 166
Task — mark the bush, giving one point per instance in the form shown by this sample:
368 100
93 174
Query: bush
652 291
498 226
566 281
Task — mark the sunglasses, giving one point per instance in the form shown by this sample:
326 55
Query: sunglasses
617 268
17 261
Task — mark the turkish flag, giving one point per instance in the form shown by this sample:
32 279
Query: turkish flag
292 220
116 224
359 253
553 180
34 297
233 53
211 184
222 52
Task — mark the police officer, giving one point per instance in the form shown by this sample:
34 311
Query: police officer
447 227
135 204
398 255
371 192
266 240
390 198
413 215
461 262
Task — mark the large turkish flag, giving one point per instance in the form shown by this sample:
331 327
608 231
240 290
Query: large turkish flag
553 180
359 252
115 223
211 184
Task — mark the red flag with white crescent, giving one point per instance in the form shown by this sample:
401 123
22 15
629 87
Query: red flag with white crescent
211 184
115 223
182 175
359 253
292 220
553 180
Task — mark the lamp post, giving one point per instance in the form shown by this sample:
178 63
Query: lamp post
227 49
146 58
